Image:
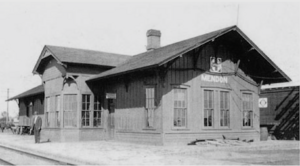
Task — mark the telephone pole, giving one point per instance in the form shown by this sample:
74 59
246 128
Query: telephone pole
7 115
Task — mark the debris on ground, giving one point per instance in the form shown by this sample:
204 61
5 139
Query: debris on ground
221 142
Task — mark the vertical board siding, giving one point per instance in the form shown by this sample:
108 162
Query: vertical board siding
130 105
182 72
38 106
22 107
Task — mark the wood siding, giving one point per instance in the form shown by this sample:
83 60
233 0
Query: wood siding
185 74
131 114
37 105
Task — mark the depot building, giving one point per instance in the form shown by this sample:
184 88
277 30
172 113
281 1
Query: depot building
205 87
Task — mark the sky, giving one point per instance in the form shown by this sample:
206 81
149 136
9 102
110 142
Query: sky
120 27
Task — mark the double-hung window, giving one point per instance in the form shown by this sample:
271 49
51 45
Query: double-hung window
247 109
97 112
208 108
150 105
47 111
180 107
224 108
57 110
70 110
85 114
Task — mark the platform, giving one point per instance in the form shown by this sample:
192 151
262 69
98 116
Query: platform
117 153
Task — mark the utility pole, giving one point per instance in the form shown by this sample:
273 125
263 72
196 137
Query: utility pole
237 15
7 115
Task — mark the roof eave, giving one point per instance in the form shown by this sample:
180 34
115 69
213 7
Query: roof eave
41 57
263 54
16 97
198 45
97 78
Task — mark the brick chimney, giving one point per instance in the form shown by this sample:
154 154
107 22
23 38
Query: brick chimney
153 39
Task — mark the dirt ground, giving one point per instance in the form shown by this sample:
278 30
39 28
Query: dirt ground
118 153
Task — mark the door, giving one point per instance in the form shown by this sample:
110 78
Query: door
111 119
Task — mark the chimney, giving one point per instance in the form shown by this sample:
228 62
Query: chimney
153 39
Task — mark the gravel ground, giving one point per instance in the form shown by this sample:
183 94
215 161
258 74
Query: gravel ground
117 153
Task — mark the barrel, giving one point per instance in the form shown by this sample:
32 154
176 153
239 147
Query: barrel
264 133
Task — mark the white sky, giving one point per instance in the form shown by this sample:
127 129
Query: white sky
120 27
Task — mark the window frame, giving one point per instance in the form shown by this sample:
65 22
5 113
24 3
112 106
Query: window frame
63 110
229 108
214 108
251 126
93 111
186 106
90 110
216 120
47 110
147 126
58 110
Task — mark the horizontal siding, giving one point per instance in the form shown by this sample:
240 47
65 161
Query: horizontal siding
53 70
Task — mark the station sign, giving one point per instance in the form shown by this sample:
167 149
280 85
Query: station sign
212 78
111 95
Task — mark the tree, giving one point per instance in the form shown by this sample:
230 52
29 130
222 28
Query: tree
4 114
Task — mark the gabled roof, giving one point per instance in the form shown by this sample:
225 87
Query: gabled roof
80 56
34 91
162 55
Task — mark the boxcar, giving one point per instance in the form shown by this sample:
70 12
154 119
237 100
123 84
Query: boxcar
279 111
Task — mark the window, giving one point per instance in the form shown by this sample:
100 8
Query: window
150 105
247 109
97 112
85 115
70 110
224 108
47 111
57 110
180 107
208 108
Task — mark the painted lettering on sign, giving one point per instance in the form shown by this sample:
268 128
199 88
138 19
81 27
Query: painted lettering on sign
217 79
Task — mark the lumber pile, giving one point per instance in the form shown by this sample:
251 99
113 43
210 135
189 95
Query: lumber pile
220 142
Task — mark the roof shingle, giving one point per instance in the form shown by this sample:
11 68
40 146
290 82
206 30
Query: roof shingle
159 55
34 91
82 56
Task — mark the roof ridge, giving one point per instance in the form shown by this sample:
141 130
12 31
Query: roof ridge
182 41
63 47
179 46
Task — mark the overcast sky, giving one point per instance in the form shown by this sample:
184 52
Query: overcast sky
120 27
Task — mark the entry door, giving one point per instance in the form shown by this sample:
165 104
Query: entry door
111 119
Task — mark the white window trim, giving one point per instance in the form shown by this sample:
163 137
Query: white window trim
225 127
242 116
59 111
93 111
186 87
203 109
217 110
155 104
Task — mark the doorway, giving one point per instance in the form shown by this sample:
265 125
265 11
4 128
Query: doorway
111 119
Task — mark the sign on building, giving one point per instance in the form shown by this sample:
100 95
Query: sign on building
263 102
111 95
215 65
211 78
